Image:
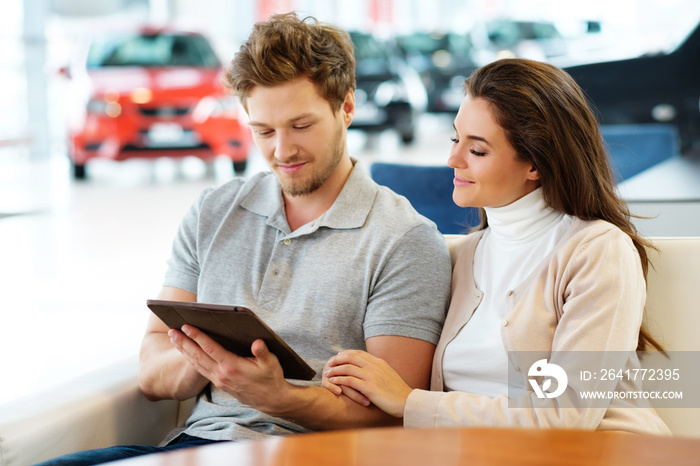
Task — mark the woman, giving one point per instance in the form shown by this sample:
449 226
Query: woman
556 267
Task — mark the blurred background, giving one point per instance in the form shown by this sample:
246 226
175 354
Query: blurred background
112 121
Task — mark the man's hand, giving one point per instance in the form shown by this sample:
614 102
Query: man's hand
257 381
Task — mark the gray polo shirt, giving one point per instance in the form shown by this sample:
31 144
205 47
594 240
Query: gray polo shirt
369 266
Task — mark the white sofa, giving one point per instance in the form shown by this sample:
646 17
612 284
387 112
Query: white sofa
106 408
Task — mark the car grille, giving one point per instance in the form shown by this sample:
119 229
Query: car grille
180 139
164 111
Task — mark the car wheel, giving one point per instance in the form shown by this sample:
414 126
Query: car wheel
79 172
407 137
239 166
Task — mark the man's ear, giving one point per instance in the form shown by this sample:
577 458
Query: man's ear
348 108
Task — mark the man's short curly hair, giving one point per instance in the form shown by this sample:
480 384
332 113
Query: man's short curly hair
286 48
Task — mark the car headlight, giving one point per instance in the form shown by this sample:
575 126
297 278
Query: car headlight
441 58
104 107
390 91
212 107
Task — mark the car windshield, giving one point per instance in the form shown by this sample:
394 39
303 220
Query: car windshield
151 50
427 43
367 47
422 43
508 33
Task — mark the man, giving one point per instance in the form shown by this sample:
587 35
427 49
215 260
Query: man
326 257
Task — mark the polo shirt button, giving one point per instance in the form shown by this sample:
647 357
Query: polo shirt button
287 242
504 323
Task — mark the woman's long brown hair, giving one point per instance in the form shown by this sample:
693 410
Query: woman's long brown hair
548 121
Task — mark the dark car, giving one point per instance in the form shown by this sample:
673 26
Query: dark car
659 88
444 61
503 38
389 92
152 92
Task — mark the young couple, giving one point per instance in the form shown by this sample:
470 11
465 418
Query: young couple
359 284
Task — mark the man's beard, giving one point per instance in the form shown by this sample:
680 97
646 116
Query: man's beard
321 173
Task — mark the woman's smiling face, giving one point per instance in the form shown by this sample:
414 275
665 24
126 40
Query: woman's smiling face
488 171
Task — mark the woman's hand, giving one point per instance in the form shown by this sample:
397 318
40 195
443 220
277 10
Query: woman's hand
371 377
338 390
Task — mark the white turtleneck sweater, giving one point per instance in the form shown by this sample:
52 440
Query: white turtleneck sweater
519 237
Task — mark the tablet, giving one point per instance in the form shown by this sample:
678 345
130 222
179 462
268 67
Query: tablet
233 327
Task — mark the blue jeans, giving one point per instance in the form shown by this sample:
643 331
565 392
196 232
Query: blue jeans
104 455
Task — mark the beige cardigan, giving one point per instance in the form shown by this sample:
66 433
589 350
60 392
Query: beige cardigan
587 295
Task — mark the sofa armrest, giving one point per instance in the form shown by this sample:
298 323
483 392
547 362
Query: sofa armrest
97 410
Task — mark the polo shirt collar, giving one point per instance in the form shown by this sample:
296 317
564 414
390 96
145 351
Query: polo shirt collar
354 203
350 209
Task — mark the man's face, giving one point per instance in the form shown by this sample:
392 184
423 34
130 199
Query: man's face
298 134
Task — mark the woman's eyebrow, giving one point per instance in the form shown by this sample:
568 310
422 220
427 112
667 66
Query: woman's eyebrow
472 137
477 138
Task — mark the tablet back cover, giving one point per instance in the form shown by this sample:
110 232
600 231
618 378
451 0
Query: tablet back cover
233 327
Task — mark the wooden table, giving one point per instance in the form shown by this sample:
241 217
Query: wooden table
440 447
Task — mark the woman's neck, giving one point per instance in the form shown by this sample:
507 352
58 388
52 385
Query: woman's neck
523 219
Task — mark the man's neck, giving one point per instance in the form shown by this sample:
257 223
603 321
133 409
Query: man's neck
301 210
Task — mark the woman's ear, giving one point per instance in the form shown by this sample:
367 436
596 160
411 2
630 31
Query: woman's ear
533 174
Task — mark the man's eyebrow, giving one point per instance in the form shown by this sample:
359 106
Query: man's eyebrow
290 121
301 117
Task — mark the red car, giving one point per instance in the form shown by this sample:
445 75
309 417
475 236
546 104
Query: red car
153 92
